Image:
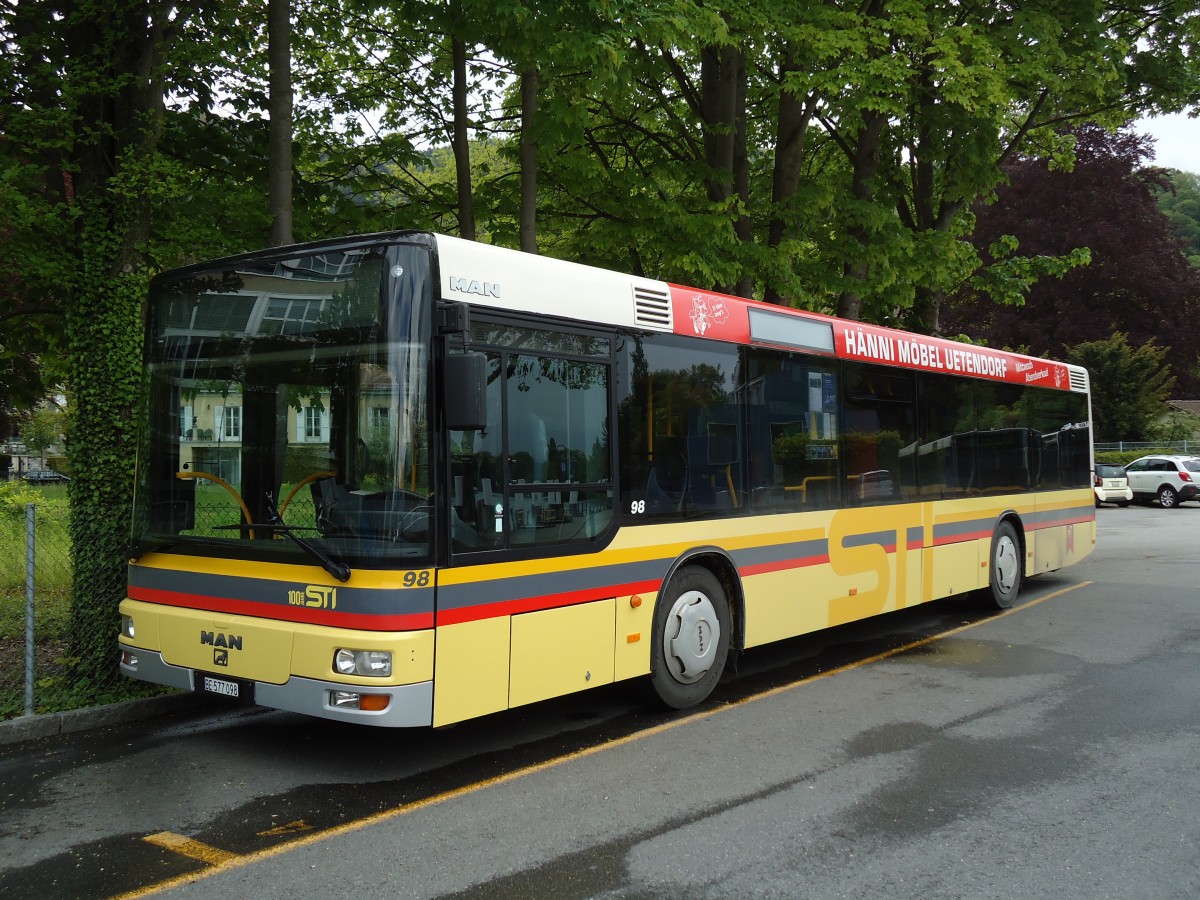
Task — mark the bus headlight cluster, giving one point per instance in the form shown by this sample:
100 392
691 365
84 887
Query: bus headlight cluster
127 627
373 663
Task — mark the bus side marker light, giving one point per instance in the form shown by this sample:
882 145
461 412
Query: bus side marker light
633 638
635 601
853 592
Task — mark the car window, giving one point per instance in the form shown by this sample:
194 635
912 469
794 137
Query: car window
1138 465
1106 471
1192 465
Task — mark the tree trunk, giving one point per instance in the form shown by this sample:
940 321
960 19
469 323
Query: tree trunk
462 146
530 82
791 129
723 111
114 73
279 148
864 164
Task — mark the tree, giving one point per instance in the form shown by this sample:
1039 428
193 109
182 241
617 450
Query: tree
85 110
43 429
279 155
1180 203
1130 386
1138 281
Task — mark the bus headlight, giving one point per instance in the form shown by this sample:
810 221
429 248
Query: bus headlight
127 627
372 663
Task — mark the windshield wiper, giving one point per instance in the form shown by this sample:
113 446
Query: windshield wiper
338 570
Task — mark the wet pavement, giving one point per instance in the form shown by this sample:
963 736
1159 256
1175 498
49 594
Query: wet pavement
1050 751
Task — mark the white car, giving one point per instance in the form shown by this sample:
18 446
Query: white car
1111 485
1168 479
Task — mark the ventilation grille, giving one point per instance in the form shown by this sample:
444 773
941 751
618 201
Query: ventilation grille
652 307
1079 379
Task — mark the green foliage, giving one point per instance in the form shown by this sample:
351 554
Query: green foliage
1181 206
43 429
1130 387
1125 457
868 131
1177 426
1009 277
15 496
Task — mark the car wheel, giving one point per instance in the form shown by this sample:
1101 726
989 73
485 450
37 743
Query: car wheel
692 627
1004 574
1168 497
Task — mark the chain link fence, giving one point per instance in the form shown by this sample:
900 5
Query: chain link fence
1181 447
39 629
48 648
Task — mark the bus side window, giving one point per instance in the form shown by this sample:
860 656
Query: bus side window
879 409
793 433
679 430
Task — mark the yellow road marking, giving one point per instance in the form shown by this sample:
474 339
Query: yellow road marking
290 828
188 847
234 861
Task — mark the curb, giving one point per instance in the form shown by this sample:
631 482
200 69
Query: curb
35 727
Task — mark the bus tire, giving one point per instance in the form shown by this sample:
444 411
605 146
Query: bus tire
1005 569
690 644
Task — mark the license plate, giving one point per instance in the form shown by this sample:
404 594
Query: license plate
230 688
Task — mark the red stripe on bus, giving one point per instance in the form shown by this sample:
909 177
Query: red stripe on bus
360 621
961 538
782 565
482 611
1066 520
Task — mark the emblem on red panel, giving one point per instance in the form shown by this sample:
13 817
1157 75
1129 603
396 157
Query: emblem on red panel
707 312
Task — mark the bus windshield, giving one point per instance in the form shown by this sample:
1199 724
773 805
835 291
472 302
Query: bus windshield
288 408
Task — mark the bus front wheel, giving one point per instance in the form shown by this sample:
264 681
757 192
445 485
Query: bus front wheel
692 628
1006 568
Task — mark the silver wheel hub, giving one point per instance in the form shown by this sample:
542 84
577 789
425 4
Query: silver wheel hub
1006 563
690 637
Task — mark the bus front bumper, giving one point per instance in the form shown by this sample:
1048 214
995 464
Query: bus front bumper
409 705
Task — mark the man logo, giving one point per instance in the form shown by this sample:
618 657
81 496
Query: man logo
480 288
218 640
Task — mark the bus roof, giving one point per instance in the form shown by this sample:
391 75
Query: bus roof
486 275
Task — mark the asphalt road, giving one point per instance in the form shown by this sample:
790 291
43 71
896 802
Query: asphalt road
933 753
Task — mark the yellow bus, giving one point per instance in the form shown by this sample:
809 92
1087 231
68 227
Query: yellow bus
406 479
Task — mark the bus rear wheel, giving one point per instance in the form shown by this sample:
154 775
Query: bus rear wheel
1005 571
691 638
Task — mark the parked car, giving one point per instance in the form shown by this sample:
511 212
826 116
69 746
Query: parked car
1111 485
1169 480
45 476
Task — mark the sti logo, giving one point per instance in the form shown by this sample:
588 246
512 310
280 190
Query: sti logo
314 596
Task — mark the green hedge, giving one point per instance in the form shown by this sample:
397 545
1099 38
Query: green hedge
1125 457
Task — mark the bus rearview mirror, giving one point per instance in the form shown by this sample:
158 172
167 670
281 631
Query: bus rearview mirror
465 390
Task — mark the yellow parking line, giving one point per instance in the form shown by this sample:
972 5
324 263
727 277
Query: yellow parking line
234 861
188 847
